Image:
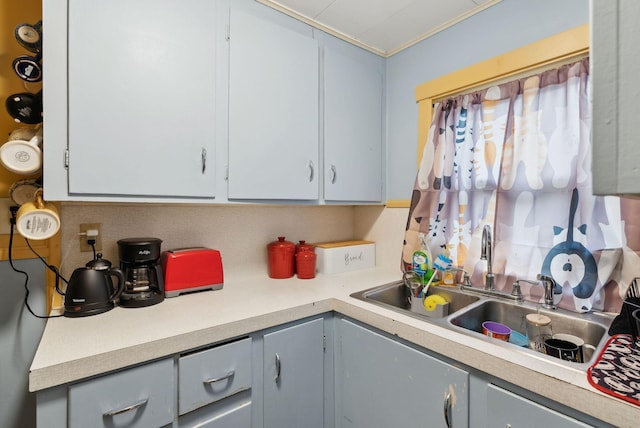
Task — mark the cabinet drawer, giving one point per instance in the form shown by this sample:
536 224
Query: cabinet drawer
213 374
233 412
505 408
137 397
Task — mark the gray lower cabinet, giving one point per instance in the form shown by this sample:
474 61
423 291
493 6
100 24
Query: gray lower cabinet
506 409
282 378
383 383
294 376
137 397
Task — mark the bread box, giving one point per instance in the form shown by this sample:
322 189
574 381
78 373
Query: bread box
345 256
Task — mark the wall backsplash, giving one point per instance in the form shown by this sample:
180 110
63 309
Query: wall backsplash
241 233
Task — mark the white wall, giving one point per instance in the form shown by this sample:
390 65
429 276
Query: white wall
496 30
241 233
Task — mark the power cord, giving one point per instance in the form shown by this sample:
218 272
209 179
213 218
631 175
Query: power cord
92 242
14 210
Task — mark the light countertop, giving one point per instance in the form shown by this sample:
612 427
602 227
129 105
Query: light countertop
75 348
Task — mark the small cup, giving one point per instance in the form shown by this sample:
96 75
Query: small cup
38 220
585 350
562 349
496 330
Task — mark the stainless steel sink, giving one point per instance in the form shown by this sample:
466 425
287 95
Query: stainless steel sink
591 327
396 296
468 309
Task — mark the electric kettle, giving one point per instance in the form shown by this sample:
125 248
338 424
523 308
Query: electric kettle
90 290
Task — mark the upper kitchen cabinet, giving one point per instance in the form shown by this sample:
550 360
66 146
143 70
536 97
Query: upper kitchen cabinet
273 110
352 129
210 101
615 56
129 98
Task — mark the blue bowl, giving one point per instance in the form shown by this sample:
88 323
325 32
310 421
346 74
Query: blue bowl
518 339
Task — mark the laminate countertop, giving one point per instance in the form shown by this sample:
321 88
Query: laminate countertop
76 348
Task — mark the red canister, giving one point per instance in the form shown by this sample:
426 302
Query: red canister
281 258
302 245
306 262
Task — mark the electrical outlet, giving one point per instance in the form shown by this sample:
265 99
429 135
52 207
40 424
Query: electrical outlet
5 219
84 244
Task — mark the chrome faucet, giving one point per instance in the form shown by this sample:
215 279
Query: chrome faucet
487 254
549 285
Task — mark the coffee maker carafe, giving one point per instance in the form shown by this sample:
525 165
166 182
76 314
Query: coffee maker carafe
140 263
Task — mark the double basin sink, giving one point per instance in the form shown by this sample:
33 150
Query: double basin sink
468 309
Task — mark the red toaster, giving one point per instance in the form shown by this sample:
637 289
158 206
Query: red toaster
191 269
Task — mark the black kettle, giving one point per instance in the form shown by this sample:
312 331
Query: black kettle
90 290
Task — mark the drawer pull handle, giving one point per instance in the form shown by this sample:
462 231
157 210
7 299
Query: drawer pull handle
311 170
204 160
447 410
220 379
278 368
134 406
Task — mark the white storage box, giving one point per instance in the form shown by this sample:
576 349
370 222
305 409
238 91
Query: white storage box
345 256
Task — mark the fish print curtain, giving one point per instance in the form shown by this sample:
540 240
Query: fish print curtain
517 157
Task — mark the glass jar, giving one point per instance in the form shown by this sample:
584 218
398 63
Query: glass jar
538 330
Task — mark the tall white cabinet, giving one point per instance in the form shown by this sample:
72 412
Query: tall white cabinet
615 63
273 111
141 97
352 129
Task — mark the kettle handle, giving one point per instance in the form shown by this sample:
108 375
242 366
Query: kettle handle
120 287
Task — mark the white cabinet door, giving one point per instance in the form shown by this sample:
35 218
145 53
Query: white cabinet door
294 376
615 63
383 383
352 130
273 111
141 97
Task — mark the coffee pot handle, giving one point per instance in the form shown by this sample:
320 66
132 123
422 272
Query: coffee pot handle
120 287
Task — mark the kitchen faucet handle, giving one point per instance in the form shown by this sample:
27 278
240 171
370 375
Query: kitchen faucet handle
516 292
549 285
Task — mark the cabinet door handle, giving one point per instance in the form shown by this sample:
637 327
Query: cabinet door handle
447 410
334 174
220 379
311 171
204 160
134 406
278 367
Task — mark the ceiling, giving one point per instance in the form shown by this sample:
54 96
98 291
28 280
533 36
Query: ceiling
381 26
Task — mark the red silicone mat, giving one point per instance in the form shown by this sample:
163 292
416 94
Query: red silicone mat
616 371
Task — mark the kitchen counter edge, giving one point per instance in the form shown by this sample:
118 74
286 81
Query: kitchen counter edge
253 302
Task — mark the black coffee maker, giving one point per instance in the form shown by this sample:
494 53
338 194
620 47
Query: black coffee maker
140 263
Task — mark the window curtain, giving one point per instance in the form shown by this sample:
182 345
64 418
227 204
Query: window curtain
517 157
